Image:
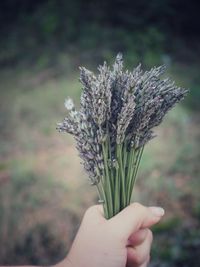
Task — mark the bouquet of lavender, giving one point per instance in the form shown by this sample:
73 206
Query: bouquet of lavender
118 110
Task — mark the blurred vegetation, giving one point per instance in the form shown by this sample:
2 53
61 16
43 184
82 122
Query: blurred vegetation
43 188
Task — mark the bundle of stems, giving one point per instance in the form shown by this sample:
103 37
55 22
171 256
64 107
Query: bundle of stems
118 110
116 186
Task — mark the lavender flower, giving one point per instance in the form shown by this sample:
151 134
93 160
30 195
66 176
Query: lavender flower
118 111
69 104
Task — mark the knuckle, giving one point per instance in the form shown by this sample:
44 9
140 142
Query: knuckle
140 258
137 259
136 205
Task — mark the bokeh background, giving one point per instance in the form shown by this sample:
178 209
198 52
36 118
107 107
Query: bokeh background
43 188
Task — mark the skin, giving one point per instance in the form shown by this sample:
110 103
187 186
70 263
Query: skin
122 241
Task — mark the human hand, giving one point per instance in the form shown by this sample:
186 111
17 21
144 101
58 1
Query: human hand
124 240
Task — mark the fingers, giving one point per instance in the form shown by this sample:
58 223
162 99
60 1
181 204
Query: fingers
137 238
140 255
134 217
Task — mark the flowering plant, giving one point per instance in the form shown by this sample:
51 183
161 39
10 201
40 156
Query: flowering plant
118 110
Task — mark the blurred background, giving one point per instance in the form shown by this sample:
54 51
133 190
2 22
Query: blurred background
43 188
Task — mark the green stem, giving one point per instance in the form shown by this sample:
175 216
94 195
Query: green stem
116 186
130 169
102 196
125 154
133 167
107 188
138 164
122 177
116 190
99 192
134 174
111 168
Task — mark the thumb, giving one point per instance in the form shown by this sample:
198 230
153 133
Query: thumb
134 217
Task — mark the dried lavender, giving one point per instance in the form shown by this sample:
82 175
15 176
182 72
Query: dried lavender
118 110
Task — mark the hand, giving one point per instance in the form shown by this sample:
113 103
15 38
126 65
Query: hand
123 240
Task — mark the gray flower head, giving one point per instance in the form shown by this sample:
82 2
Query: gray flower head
120 105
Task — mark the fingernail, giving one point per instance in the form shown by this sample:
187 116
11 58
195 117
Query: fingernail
157 211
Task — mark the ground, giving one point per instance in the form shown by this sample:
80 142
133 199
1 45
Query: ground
45 191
